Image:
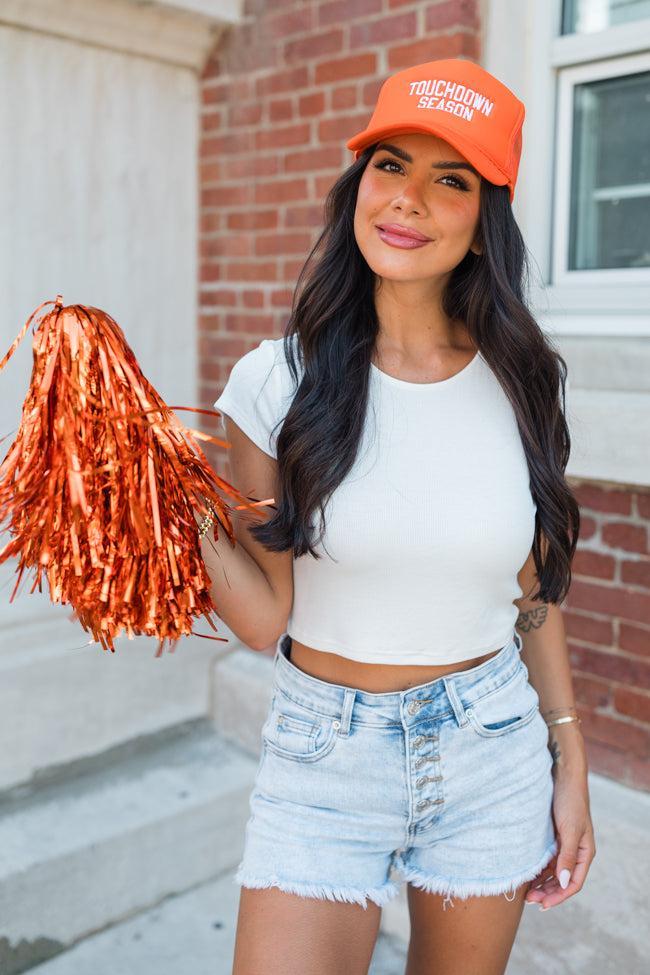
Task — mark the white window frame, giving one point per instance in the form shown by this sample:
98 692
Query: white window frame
541 69
568 79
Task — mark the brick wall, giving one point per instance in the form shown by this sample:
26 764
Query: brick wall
281 95
607 619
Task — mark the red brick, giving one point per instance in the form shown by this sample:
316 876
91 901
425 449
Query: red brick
340 129
253 299
210 172
233 245
344 96
218 296
303 216
209 122
609 601
350 67
347 11
280 190
595 564
221 196
446 46
323 157
588 527
210 221
282 244
292 22
279 137
603 499
282 81
632 671
636 573
589 629
242 322
314 46
231 142
643 504
251 271
617 732
282 298
251 166
281 110
246 114
634 704
617 765
252 220
208 272
454 13
634 639
385 30
312 104
592 692
631 538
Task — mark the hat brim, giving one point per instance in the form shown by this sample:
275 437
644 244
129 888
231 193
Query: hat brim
472 153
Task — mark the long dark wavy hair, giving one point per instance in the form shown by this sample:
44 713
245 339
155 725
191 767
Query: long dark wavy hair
334 318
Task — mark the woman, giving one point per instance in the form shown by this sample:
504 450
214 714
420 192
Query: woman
422 717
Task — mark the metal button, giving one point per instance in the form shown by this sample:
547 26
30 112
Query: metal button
336 724
418 741
424 803
414 707
421 781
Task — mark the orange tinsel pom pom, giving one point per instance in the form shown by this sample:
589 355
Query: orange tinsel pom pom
100 484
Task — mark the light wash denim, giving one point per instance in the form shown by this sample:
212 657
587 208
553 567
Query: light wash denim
447 783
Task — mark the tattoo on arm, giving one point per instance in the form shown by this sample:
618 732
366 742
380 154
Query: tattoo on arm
532 620
554 748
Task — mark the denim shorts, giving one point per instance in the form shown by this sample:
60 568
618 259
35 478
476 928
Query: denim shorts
447 784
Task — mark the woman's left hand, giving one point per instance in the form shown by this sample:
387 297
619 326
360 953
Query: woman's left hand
576 845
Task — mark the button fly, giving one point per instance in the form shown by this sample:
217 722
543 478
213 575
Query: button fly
414 707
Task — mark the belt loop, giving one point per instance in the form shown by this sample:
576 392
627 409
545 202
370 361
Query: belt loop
346 713
455 702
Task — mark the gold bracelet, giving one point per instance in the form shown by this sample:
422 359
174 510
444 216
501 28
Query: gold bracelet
208 521
563 720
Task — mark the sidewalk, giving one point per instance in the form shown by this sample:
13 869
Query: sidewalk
603 930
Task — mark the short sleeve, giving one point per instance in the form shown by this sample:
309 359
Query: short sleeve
251 397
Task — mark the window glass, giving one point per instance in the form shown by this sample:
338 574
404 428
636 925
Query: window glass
610 174
586 16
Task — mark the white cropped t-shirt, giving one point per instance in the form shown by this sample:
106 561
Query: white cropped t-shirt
425 536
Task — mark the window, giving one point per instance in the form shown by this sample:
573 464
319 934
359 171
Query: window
585 16
601 206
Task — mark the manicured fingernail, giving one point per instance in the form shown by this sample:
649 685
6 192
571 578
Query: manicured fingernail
564 878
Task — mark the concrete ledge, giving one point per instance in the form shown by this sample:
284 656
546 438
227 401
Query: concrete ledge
62 701
86 852
241 696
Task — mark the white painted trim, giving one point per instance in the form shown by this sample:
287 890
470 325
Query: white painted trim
182 33
567 81
610 433
530 68
609 43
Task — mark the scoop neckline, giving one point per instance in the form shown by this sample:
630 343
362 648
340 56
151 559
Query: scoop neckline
405 384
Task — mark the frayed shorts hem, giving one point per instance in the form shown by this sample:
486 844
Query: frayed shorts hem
475 888
382 895
379 895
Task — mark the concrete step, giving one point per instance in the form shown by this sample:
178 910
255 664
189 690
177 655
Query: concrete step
115 835
194 932
62 700
602 930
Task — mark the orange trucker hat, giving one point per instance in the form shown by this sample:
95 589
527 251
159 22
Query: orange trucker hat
462 103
